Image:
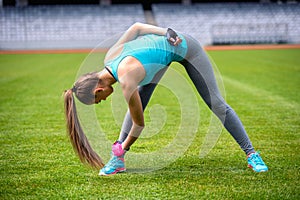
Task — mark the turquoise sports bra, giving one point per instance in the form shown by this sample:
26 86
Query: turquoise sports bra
153 51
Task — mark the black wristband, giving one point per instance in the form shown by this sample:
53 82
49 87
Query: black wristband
171 35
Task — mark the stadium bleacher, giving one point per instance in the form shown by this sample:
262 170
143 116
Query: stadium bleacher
64 26
233 22
84 26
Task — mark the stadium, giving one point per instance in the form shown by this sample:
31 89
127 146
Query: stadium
254 47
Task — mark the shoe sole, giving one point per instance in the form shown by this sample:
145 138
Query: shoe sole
121 170
250 166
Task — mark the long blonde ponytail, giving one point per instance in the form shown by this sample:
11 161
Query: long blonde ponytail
77 137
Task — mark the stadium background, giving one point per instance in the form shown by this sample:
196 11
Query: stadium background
53 24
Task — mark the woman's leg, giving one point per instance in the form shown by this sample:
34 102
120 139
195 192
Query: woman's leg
200 71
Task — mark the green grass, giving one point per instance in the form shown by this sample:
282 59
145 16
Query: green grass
37 160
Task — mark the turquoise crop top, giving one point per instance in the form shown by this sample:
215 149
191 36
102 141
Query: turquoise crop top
153 51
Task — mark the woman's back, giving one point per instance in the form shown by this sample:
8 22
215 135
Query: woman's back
153 51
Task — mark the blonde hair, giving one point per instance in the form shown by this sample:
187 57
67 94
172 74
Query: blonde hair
83 89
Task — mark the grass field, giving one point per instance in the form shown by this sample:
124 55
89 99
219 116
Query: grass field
37 160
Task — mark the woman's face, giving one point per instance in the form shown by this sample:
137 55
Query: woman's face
102 93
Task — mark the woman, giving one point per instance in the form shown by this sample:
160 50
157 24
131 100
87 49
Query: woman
137 61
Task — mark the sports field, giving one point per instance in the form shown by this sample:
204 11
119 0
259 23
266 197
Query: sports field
38 162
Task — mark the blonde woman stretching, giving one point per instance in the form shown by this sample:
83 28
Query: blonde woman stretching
137 61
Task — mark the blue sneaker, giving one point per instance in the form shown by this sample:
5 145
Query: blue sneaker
115 165
256 163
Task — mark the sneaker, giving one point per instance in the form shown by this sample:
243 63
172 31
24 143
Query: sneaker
256 163
116 164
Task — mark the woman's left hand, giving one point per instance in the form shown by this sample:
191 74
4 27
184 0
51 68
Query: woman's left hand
177 41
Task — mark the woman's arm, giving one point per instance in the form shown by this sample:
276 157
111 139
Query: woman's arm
139 29
130 73
137 116
133 32
133 99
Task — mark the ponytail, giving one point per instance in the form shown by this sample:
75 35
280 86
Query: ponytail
77 137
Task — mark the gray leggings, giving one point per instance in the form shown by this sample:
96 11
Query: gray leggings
200 71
